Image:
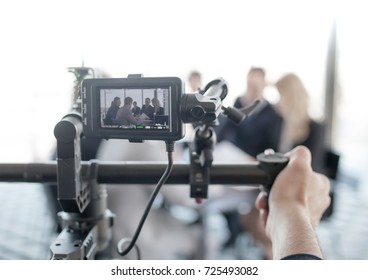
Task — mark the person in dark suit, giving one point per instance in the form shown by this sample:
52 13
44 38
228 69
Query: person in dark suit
136 110
259 131
111 112
147 108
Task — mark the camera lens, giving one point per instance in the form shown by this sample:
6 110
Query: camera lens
197 112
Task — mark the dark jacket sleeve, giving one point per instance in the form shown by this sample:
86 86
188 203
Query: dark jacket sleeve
301 257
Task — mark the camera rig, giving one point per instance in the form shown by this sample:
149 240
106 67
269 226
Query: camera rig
86 220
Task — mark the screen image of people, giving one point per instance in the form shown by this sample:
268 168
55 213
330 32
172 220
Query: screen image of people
132 108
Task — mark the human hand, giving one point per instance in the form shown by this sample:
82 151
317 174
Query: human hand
297 200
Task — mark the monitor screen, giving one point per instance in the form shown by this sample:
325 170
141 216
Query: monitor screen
135 108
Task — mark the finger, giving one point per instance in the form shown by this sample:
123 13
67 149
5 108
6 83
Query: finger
263 214
261 201
325 191
325 182
300 153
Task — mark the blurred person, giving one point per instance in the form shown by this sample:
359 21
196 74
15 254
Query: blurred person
259 131
195 81
297 127
195 85
136 110
296 203
111 112
147 109
157 109
124 116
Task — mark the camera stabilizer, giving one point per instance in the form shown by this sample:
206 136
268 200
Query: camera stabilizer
86 220
204 140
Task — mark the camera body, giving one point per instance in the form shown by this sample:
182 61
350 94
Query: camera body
108 110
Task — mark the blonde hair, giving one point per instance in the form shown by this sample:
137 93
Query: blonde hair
293 108
156 102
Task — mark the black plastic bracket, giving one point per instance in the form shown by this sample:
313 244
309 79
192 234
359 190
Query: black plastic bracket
73 193
272 163
201 158
199 177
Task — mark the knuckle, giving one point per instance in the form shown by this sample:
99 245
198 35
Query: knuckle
300 166
325 183
302 152
327 201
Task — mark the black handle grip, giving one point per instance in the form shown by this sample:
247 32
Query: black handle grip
272 164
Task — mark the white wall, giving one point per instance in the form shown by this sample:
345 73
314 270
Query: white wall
39 39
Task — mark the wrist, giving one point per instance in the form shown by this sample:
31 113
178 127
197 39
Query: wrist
292 232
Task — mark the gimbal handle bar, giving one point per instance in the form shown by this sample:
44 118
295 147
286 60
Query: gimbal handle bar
147 172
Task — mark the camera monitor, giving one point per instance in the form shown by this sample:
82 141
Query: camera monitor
132 108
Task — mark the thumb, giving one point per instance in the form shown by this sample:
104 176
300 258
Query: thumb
261 201
261 205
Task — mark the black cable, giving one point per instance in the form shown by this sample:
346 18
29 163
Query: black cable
165 175
129 241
